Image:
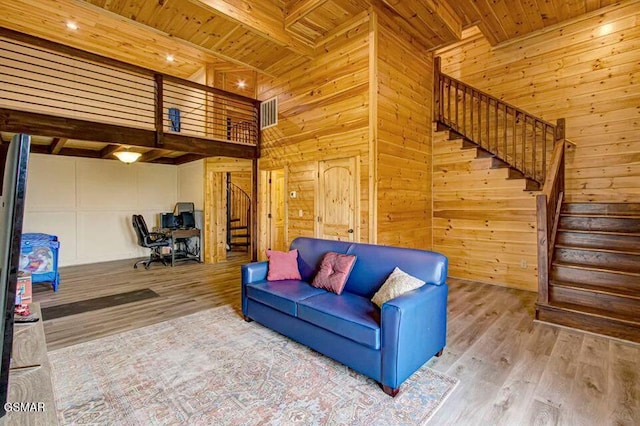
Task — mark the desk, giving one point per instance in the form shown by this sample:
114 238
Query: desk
182 234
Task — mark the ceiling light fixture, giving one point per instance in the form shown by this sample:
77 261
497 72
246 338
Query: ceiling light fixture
127 156
170 58
72 25
241 84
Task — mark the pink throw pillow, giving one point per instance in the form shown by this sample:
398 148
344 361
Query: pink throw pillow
283 265
334 271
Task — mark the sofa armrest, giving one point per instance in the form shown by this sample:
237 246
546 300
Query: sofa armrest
414 329
254 272
251 273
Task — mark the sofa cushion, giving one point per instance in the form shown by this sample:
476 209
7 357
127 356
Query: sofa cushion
281 295
375 263
399 282
334 271
283 265
311 251
347 315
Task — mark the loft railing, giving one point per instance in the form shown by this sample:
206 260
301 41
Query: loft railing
238 212
64 83
516 137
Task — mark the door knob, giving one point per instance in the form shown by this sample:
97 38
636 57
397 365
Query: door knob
350 231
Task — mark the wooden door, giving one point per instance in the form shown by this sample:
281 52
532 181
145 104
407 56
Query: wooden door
277 211
337 217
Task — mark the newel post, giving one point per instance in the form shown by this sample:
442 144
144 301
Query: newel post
436 88
543 249
159 109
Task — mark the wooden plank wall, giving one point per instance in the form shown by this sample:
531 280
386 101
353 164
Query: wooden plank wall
483 222
584 71
404 93
323 114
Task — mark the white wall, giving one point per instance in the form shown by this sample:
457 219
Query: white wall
191 183
88 204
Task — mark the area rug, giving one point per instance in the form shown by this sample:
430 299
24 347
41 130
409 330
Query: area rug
212 367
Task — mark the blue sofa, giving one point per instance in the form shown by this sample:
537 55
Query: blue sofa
388 344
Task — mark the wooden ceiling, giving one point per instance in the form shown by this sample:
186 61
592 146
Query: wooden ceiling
242 37
267 36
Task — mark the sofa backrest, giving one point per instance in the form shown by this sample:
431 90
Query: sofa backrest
373 264
311 251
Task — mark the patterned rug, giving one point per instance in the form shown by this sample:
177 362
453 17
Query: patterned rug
214 368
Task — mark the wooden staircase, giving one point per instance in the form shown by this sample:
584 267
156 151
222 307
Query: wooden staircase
588 253
594 280
238 217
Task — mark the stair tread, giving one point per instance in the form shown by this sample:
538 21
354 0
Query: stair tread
588 231
628 319
595 268
595 288
602 215
598 248
240 236
239 244
235 228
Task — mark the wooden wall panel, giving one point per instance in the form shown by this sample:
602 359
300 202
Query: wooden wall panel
323 114
484 223
403 146
584 71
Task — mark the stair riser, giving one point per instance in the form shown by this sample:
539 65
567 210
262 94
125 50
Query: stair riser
572 275
600 224
608 327
624 209
610 303
620 242
614 261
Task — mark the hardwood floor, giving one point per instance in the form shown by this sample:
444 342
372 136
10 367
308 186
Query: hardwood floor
184 289
512 371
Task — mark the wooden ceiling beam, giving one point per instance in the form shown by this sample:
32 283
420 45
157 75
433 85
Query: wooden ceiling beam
68 152
298 9
108 150
429 16
265 19
187 158
32 123
154 154
57 145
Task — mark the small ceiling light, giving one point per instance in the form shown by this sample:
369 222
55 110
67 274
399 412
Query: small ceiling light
170 58
241 84
127 156
72 26
606 29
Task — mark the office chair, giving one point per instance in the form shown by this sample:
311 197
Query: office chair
152 240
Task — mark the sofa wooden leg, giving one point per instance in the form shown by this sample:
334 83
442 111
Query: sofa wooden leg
439 354
390 391
246 318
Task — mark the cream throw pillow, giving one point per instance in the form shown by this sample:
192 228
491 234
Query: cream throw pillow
399 282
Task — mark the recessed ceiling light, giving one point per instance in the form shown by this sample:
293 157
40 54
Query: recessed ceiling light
170 58
241 84
72 26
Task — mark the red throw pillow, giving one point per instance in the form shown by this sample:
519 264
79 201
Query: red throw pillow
334 271
283 265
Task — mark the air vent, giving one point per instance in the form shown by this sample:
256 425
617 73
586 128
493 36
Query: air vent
269 113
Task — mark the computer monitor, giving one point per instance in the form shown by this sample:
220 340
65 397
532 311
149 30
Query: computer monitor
168 221
187 220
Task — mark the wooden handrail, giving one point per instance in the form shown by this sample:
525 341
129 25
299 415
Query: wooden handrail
519 139
509 133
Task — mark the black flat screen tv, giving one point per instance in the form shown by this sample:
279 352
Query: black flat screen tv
13 160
